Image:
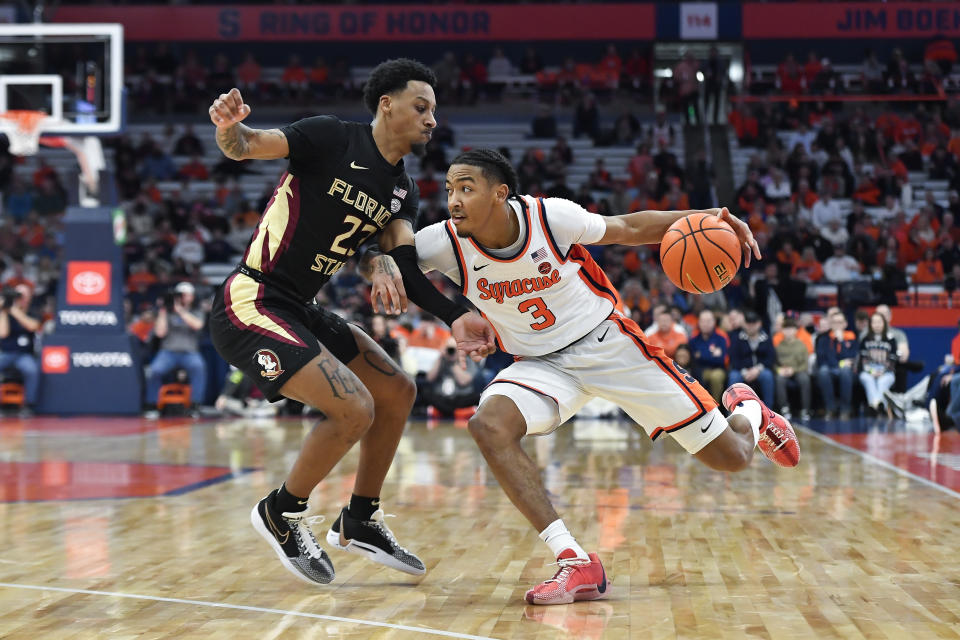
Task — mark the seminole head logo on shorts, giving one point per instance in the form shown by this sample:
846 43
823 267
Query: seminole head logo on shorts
269 363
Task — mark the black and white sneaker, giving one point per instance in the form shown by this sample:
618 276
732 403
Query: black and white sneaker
293 541
897 403
373 539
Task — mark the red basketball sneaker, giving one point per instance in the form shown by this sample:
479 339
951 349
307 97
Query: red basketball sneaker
577 579
777 438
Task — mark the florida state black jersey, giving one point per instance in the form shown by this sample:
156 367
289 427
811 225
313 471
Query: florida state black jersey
337 193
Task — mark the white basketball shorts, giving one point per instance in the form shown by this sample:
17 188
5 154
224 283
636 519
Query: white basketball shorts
615 362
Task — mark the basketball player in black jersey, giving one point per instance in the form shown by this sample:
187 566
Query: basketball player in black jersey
345 185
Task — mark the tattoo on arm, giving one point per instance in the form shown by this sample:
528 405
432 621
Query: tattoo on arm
381 364
365 266
387 266
339 383
233 141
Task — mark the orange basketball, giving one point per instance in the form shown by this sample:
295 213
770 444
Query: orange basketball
700 253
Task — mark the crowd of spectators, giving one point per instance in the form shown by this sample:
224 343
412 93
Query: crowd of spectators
818 76
808 161
163 79
865 193
172 234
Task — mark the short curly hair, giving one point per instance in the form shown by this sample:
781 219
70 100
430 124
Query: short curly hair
494 166
391 77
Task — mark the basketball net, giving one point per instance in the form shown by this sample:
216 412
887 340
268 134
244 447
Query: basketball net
23 130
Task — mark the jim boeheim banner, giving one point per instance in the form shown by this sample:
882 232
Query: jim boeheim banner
373 22
851 20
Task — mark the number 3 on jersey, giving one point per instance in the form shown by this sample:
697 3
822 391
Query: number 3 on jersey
540 312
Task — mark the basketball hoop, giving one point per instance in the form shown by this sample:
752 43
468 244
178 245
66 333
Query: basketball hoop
23 130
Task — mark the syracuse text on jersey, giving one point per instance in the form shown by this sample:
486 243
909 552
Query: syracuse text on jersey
515 288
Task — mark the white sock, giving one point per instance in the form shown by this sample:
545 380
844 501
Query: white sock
750 409
558 538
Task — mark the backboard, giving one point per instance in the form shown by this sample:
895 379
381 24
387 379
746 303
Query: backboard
71 72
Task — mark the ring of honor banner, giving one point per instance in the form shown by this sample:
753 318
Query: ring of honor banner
88 363
373 23
514 22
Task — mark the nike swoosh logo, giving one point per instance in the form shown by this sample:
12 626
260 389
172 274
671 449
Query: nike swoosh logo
710 424
302 501
476 268
364 547
275 530
354 165
600 339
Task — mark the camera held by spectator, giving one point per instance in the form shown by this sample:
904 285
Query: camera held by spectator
17 332
178 327
8 296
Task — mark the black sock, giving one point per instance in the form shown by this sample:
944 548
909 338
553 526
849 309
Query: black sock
363 508
285 502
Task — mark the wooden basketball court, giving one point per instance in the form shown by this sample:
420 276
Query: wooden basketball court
134 529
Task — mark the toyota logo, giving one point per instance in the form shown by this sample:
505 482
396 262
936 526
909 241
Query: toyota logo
89 283
55 359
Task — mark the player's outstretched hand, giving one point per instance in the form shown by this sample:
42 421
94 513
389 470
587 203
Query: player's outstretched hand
475 337
750 246
228 109
387 286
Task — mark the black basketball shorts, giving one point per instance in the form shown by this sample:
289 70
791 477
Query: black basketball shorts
270 336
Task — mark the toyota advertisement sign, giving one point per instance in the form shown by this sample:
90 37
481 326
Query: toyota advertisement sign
88 363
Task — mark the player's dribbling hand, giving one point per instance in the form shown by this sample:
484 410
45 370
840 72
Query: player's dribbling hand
750 246
475 337
386 285
228 109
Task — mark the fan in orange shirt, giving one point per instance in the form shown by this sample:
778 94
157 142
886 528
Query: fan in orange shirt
640 166
429 333
140 277
789 76
811 69
889 254
787 254
807 268
143 325
744 124
756 220
954 145
248 73
804 197
665 336
319 73
929 269
955 345
907 129
867 190
294 73
674 200
887 123
899 169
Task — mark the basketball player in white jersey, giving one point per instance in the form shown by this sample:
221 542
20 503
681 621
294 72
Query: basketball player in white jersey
521 261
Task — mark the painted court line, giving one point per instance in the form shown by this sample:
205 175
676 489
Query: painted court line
240 607
882 463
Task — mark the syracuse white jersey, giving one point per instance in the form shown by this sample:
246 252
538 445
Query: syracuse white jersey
539 300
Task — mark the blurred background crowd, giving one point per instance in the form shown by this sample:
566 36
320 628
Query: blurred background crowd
854 203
